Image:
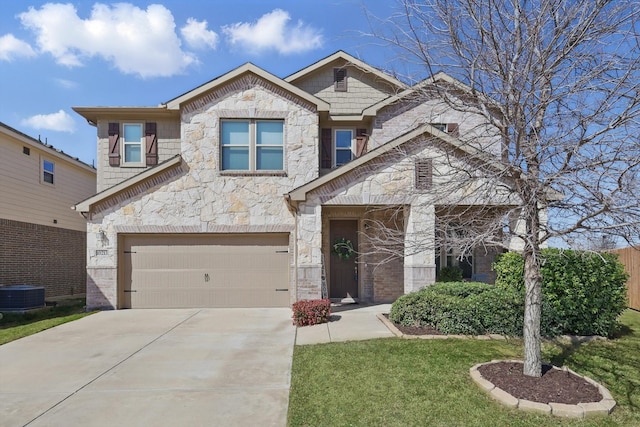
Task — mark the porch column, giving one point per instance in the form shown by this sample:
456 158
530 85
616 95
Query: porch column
419 243
309 251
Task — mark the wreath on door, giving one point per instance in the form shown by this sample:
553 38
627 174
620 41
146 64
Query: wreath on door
343 248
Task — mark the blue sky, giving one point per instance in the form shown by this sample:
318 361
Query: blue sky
54 56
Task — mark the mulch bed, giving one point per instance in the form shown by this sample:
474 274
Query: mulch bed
416 330
553 386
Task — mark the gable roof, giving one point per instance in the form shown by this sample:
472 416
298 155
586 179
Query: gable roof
440 76
47 148
87 204
342 55
175 103
300 193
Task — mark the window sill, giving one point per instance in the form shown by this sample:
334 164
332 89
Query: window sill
133 165
252 173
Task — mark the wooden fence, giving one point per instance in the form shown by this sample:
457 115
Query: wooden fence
630 257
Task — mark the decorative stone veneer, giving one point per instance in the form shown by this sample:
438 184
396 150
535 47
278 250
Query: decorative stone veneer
398 117
199 198
581 410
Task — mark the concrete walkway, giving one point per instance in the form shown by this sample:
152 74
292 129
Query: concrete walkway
193 367
349 322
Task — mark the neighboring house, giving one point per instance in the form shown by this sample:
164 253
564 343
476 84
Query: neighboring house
42 240
234 193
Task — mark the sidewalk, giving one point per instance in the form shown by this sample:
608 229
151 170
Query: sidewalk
349 322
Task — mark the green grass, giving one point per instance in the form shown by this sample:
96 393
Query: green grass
398 382
18 325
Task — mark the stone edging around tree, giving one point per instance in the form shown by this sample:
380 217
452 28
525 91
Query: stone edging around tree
581 410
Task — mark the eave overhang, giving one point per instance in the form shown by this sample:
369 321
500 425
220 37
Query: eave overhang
93 114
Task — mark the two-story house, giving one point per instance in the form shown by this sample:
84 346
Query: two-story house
253 190
42 241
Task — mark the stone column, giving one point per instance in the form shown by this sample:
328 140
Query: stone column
309 251
419 239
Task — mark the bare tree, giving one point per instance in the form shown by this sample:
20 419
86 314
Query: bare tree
557 82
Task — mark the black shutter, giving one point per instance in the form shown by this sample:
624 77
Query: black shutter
453 129
151 140
361 142
114 144
325 149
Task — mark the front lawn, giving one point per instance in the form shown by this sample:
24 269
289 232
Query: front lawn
398 382
18 325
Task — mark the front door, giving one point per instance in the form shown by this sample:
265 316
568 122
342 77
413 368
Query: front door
343 268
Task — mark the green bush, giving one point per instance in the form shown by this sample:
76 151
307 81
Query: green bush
462 308
450 274
583 293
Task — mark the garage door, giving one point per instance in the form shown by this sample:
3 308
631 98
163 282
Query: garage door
192 271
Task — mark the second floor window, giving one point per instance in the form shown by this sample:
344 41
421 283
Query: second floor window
252 145
132 143
48 170
343 146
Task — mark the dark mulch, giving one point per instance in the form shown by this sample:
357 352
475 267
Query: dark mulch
555 385
416 330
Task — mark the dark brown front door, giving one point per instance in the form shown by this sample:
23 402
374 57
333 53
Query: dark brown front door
343 272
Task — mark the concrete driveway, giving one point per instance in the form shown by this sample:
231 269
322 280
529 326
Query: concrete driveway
192 367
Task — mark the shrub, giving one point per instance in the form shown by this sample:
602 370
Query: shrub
450 274
311 312
583 293
460 289
462 308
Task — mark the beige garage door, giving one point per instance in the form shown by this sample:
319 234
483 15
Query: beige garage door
192 271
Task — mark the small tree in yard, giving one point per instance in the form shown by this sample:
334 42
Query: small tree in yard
559 83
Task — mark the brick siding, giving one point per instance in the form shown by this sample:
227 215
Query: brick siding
43 256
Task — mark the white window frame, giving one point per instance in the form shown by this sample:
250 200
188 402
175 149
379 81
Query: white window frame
335 147
141 143
44 172
253 146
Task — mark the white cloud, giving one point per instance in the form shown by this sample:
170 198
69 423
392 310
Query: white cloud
135 41
196 35
59 122
11 47
273 31
66 84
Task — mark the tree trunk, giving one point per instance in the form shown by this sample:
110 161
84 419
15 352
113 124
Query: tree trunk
532 313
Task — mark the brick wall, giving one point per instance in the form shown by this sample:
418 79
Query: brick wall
39 255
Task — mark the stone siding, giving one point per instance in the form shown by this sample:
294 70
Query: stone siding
402 116
200 197
39 255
